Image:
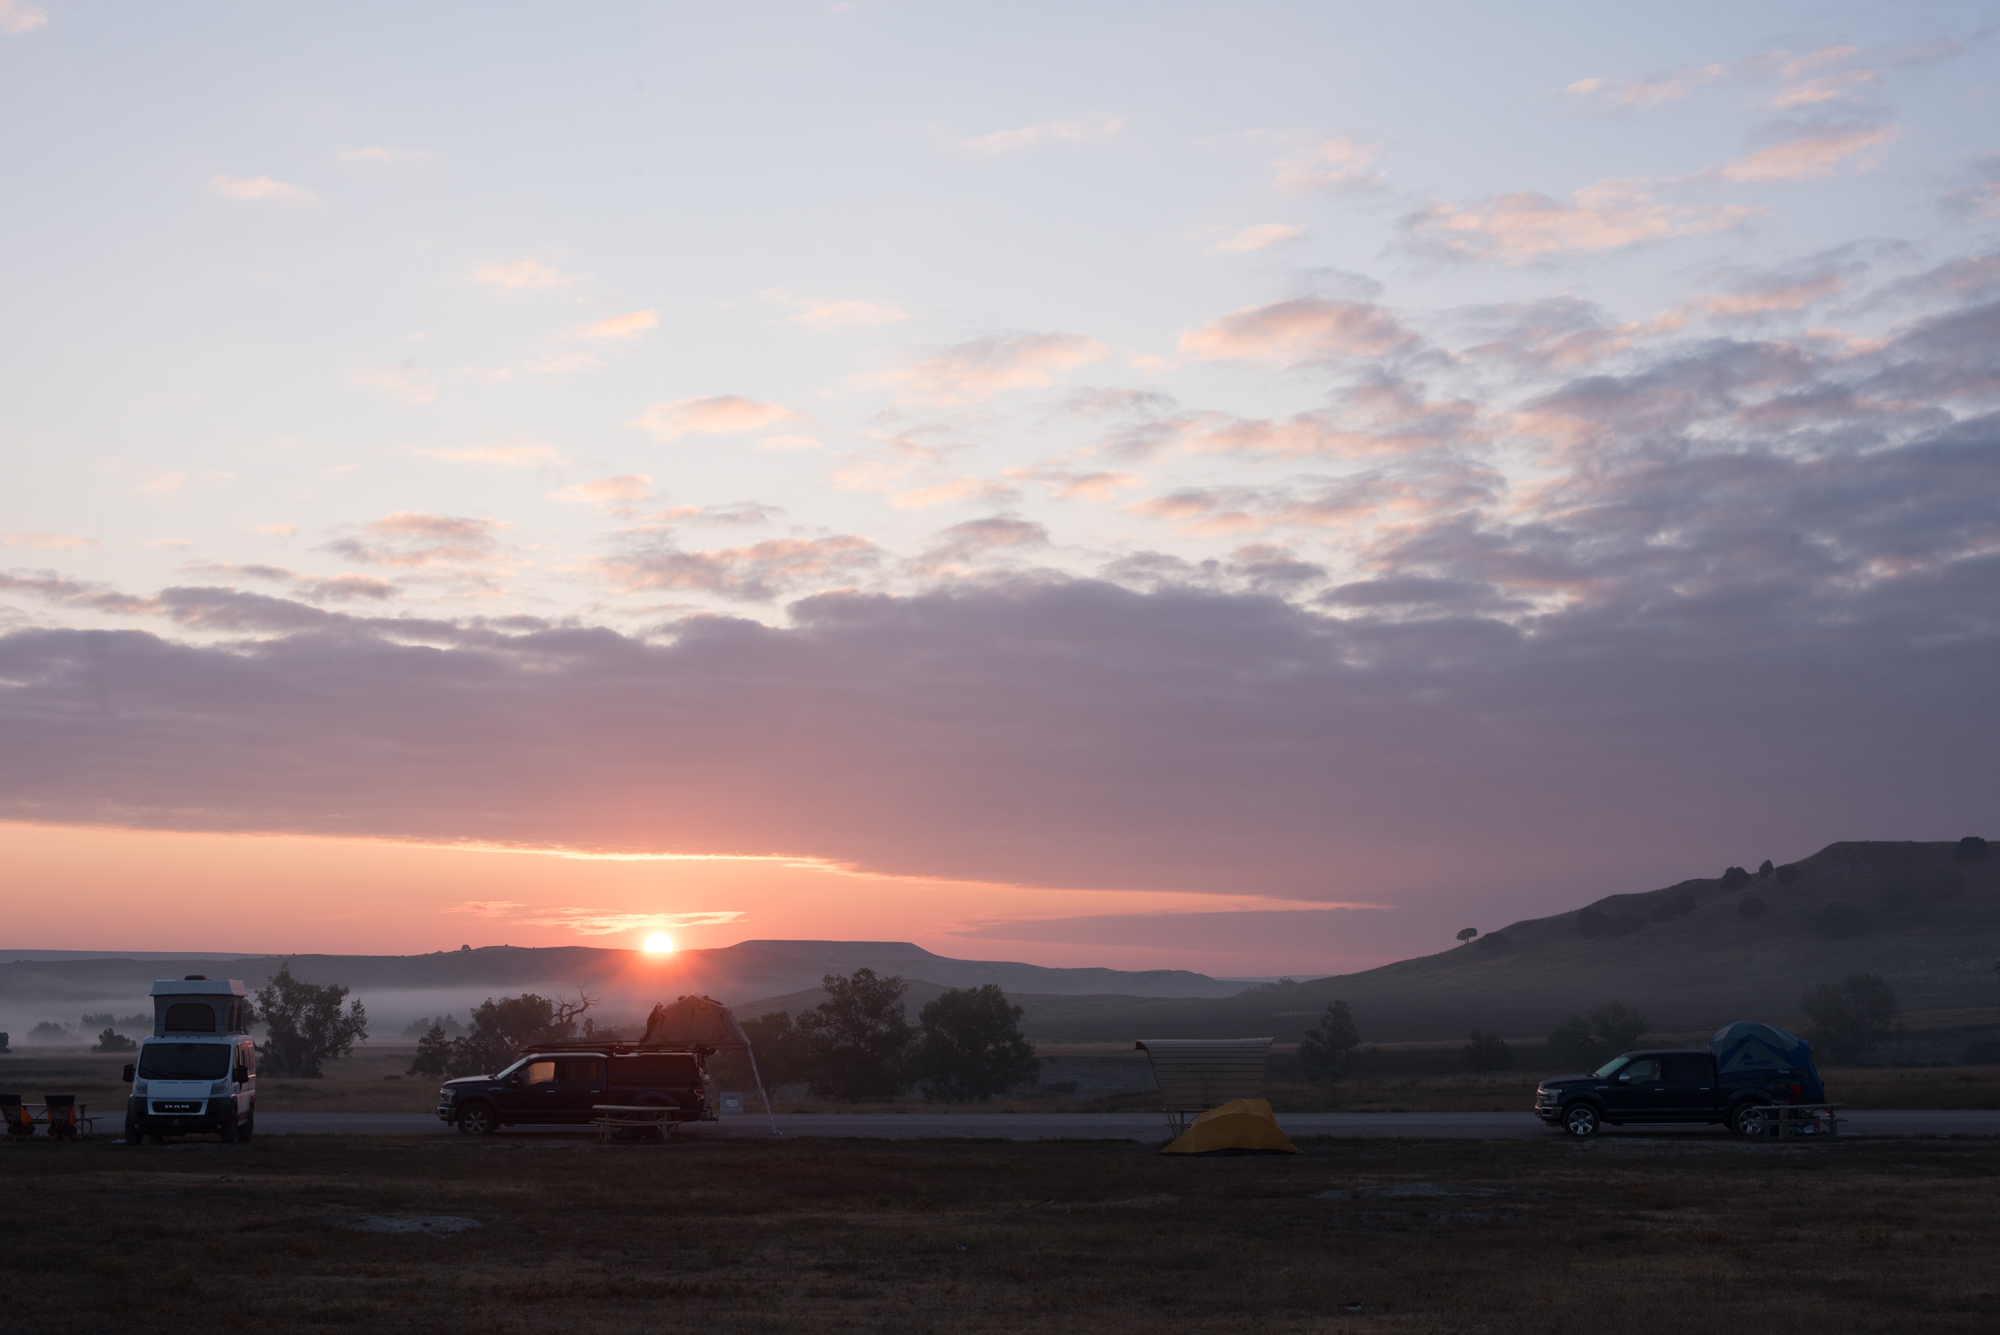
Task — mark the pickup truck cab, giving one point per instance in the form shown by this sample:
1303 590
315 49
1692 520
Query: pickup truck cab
197 1071
561 1086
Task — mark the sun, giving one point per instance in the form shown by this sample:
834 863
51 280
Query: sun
659 943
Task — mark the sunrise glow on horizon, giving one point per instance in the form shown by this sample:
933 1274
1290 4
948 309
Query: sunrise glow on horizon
1245 489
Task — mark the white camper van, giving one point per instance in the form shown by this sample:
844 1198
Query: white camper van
198 1071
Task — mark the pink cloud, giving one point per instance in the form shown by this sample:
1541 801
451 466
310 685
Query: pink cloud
1524 227
618 326
18 16
721 415
979 369
823 316
755 573
1337 163
1260 237
612 493
1306 329
263 189
1812 155
410 539
524 275
55 542
1070 131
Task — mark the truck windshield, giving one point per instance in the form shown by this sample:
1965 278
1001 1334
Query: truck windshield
1611 1068
184 1061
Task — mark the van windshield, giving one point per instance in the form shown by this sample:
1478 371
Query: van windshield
184 1061
1611 1068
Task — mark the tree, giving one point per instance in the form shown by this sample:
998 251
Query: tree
499 1030
1765 868
1325 1048
1735 878
1850 1017
1468 933
1970 849
113 1041
304 1025
858 1038
783 1057
1588 1041
970 1046
1487 1052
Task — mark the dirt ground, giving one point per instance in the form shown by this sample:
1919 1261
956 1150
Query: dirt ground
562 1234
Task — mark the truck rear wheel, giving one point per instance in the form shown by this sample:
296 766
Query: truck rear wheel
1581 1121
477 1119
1750 1119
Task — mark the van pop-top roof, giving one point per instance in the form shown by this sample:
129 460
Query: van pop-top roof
198 1005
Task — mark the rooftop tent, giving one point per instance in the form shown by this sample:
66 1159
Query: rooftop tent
1749 1048
695 1022
197 1005
706 1024
1196 1074
1240 1126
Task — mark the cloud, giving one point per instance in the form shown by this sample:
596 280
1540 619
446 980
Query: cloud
524 275
721 415
406 381
788 442
1525 227
548 366
1809 155
618 326
823 316
317 588
54 542
1296 332
588 921
1832 88
616 494
972 543
981 368
262 189
758 573
410 539
507 456
1336 164
1259 237
1980 196
397 156
1635 94
1770 298
1623 95
1029 136
276 530
18 16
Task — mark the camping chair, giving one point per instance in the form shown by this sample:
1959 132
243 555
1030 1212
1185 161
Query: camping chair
61 1110
20 1122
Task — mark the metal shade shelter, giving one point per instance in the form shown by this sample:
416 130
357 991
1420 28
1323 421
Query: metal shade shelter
703 1024
1196 1074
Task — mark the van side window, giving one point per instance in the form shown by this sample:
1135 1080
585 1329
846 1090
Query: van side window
539 1073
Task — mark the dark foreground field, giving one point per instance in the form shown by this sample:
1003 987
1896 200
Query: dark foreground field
973 1236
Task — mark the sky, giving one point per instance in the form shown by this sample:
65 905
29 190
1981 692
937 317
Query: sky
1250 488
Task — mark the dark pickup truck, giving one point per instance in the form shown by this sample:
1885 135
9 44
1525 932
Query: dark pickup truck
555 1087
1674 1085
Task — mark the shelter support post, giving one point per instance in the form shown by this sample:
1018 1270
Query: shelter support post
775 1133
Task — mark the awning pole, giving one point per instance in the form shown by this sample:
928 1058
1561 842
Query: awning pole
775 1133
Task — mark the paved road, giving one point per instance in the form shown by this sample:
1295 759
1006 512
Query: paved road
1124 1126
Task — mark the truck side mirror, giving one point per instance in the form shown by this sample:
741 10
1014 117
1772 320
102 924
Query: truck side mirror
513 1082
128 1073
1624 1079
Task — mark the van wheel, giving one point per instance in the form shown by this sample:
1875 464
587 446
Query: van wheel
1581 1121
249 1126
132 1136
229 1125
1750 1119
476 1119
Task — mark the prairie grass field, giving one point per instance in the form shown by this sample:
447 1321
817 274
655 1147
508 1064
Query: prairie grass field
565 1234
374 1080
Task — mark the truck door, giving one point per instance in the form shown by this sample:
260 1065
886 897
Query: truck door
579 1085
1688 1087
1636 1093
529 1094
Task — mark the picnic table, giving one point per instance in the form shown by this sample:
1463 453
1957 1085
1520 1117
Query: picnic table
615 1117
1791 1120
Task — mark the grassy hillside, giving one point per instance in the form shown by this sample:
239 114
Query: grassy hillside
1687 955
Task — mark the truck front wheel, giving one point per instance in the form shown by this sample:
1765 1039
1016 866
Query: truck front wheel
1581 1121
477 1119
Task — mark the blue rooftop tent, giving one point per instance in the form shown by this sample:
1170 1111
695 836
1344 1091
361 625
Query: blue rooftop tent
1749 1049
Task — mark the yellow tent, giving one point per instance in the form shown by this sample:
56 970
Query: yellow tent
1240 1126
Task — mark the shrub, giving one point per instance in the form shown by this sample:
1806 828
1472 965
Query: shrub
304 1025
970 1045
113 1041
1970 849
1591 1040
1466 934
1324 1051
1849 1017
1675 906
1752 907
1765 868
1788 873
1840 921
3 1043
1488 1052
858 1039
1735 878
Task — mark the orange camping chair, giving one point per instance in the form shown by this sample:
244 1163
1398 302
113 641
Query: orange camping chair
62 1115
20 1122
